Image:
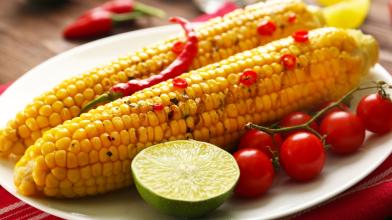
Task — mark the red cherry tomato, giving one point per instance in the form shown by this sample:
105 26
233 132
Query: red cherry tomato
302 156
254 138
256 172
344 130
376 113
342 107
296 118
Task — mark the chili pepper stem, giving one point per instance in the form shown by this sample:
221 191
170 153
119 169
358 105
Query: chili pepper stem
149 10
106 97
120 18
379 85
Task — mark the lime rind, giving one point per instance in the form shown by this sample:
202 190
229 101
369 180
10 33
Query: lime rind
185 178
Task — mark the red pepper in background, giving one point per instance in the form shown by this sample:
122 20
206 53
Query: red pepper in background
96 23
390 9
119 6
101 20
180 65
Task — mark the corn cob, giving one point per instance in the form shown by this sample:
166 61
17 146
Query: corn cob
91 154
218 39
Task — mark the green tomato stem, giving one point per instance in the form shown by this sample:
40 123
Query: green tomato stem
306 126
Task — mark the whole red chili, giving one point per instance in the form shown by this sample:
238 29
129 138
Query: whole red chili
266 28
289 61
101 20
177 47
119 6
180 65
248 78
180 83
301 36
126 6
157 107
292 18
96 23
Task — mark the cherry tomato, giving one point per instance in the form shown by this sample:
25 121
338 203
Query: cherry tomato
256 172
302 156
254 138
376 113
344 130
296 118
342 107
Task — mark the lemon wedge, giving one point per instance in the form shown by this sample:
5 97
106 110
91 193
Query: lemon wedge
347 13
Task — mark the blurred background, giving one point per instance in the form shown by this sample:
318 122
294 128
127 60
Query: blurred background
31 30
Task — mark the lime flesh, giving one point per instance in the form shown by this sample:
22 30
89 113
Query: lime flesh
185 178
347 14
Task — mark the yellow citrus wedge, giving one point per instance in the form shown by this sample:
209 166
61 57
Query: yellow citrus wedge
329 2
347 14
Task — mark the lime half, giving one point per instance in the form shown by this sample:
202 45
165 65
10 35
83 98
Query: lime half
185 178
347 14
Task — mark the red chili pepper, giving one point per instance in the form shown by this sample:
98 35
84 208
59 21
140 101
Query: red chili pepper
127 6
292 18
180 65
301 36
177 47
248 78
390 9
289 61
119 6
96 23
180 83
157 107
266 28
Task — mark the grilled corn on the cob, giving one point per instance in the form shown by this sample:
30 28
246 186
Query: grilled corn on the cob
91 154
218 39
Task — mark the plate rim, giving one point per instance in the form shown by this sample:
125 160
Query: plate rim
62 214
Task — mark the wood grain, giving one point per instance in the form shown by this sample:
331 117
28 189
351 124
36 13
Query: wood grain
29 35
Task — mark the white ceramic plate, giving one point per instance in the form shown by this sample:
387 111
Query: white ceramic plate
284 198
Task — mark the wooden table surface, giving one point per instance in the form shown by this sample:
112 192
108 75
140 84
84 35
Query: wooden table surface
29 35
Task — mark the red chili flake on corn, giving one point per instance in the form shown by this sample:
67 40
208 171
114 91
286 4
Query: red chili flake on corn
180 83
292 18
248 78
301 36
289 61
266 28
157 107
